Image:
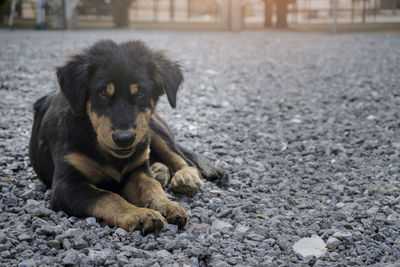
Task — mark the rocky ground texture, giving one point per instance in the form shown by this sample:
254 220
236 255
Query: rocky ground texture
306 125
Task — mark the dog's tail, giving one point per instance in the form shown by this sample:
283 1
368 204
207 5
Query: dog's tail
208 172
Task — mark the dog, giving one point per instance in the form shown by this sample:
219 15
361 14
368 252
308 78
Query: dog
102 148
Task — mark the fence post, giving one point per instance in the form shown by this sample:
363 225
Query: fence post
334 12
40 14
189 9
70 14
364 11
225 7
58 7
172 10
236 15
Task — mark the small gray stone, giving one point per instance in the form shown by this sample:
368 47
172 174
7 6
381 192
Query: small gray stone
49 230
392 218
91 220
66 244
42 212
73 232
79 242
242 229
99 257
340 205
385 248
120 232
255 237
131 250
27 263
220 263
344 237
163 254
24 237
332 243
69 258
53 244
222 226
172 228
31 204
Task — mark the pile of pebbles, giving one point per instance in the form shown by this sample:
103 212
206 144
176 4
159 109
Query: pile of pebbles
306 125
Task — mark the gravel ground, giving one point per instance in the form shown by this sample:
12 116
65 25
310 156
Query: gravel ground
307 125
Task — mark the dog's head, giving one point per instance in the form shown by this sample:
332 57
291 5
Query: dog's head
117 86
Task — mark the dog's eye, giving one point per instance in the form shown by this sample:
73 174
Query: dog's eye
140 92
102 92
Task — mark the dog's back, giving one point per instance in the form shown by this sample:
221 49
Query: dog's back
38 149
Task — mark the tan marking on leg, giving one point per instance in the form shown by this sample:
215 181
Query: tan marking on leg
173 160
186 179
134 88
93 171
145 191
116 211
110 89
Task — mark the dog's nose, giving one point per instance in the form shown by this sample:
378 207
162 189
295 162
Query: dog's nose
124 139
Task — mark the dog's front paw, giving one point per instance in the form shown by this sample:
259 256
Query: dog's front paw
174 213
147 220
187 181
161 173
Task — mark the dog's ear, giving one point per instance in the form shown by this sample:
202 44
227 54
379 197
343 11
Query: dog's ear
73 81
168 76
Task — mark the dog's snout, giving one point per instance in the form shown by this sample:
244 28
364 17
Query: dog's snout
124 139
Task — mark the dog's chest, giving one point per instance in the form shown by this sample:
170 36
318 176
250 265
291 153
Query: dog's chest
96 172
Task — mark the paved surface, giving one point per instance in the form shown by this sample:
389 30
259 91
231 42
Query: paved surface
307 125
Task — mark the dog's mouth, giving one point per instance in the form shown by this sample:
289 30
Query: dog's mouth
123 151
119 152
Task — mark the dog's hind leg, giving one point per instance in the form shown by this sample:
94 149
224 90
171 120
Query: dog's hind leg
208 172
187 167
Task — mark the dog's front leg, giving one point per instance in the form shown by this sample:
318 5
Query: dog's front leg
75 196
143 190
186 179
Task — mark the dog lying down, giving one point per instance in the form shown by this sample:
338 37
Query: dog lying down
102 148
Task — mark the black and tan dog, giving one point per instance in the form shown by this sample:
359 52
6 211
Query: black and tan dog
99 143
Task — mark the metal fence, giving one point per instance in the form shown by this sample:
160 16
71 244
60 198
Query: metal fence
321 11
199 12
175 11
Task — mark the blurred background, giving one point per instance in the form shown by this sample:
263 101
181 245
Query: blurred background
321 15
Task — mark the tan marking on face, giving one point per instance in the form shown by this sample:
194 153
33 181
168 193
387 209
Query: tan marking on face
173 160
142 125
110 89
102 127
93 171
134 88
